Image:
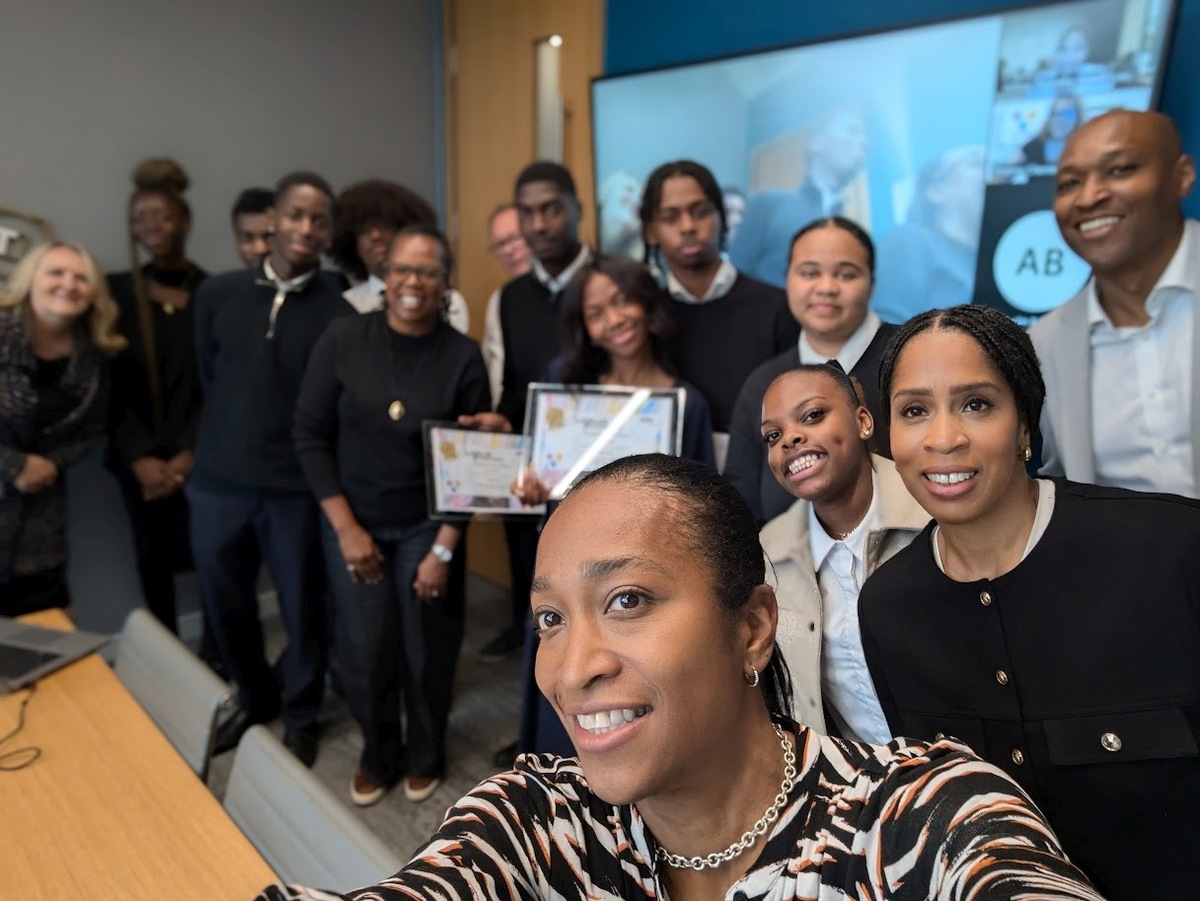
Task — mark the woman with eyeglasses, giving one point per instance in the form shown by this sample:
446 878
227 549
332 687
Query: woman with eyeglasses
398 577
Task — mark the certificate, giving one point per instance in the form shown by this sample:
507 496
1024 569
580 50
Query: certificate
577 429
469 471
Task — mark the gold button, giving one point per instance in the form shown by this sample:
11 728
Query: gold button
1001 677
985 599
1110 741
1017 757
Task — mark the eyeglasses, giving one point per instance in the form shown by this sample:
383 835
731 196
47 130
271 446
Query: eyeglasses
423 273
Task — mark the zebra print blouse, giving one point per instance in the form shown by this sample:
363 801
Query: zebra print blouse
897 821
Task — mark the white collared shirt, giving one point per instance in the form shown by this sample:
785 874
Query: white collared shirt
721 284
841 569
555 283
856 345
287 285
1141 385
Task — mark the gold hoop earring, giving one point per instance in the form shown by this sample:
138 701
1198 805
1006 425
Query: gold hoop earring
751 680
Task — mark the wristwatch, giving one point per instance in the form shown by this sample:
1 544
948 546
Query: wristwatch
442 552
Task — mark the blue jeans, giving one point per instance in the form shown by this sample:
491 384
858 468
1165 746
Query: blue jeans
395 650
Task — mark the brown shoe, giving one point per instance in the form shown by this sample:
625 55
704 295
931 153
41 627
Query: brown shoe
363 791
418 788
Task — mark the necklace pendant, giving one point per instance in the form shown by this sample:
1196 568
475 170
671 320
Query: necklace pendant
396 410
168 309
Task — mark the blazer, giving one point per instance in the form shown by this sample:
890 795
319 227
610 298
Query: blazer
1062 339
785 542
33 533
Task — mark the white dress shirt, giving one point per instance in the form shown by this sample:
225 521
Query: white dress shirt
845 680
856 345
492 345
1141 386
721 284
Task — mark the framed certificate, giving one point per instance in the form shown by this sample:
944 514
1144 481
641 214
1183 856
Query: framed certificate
576 429
469 471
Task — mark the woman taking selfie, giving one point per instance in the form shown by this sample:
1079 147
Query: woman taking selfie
57 331
658 653
1052 626
398 576
853 513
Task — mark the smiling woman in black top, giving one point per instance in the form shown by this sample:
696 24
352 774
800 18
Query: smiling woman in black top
398 577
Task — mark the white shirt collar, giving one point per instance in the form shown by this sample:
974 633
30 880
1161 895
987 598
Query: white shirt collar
291 284
1175 278
856 345
821 542
555 284
721 284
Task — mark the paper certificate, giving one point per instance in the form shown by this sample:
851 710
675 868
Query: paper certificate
471 471
578 429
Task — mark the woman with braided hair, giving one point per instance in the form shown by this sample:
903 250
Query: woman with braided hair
156 392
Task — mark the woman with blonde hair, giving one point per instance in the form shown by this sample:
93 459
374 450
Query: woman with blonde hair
57 330
156 386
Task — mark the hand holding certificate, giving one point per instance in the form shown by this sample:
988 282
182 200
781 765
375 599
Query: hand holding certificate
472 471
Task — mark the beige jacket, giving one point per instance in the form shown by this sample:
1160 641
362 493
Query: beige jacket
785 542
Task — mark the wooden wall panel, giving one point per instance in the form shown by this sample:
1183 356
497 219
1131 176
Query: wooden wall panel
490 137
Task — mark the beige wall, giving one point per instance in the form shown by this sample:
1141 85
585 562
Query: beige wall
490 137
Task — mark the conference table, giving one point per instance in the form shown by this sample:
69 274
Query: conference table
110 809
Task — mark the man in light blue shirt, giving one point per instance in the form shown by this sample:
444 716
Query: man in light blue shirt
1119 359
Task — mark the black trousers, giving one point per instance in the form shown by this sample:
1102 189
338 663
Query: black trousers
397 652
161 543
35 591
521 536
231 535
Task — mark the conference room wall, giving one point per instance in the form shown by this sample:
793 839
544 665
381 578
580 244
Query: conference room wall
640 35
239 93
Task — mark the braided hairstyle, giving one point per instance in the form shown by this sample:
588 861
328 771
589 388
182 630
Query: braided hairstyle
652 195
1003 342
720 530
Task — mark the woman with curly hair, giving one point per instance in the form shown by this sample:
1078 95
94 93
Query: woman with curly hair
156 389
369 215
57 331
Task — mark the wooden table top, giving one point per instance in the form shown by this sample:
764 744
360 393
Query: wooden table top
110 809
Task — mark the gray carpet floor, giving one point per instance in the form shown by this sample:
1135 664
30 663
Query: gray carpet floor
483 719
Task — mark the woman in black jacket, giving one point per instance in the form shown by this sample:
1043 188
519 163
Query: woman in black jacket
57 331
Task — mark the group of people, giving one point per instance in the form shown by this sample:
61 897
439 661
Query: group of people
953 679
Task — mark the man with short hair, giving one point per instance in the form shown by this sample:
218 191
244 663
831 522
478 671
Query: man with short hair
508 246
525 333
253 218
1120 358
248 496
837 151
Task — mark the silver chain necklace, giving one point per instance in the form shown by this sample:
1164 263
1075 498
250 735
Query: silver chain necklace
743 844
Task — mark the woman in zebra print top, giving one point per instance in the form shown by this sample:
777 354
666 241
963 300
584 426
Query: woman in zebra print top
658 653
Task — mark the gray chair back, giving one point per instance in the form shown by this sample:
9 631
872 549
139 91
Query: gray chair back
298 825
179 692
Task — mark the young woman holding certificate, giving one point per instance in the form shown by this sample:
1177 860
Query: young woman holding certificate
398 576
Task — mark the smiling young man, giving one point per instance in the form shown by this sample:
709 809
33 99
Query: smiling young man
727 322
248 497
1119 359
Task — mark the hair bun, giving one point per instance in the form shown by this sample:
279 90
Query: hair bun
160 172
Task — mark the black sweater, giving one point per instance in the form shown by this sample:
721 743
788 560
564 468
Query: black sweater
1084 659
251 381
347 442
531 323
134 432
720 342
746 464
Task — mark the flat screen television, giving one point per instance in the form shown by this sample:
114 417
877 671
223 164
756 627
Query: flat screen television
941 139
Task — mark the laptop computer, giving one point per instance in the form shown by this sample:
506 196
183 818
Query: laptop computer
29 652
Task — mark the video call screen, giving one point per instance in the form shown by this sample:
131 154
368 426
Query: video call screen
941 140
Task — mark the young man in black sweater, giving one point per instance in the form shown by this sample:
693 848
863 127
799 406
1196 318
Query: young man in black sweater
525 334
727 323
249 500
